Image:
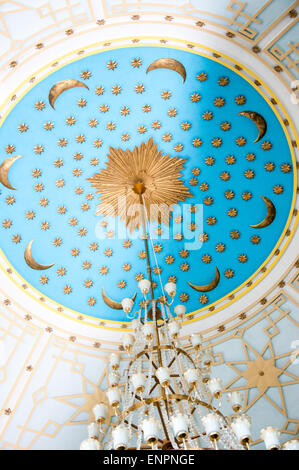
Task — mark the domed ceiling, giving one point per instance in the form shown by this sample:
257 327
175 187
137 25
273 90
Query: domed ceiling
230 144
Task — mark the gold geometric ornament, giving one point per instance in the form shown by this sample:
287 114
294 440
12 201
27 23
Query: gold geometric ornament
262 374
145 167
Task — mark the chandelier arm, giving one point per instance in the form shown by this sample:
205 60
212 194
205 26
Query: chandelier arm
162 420
154 365
131 425
143 446
171 362
160 347
171 389
154 386
176 396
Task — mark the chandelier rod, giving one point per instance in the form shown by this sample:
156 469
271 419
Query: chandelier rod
139 188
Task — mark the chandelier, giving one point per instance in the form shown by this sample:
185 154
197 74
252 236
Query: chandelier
169 399
166 397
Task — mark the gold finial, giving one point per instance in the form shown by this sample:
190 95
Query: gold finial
139 187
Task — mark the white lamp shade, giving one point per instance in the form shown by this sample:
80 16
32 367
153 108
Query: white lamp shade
113 395
291 445
163 375
127 305
90 444
151 429
206 359
144 285
215 387
191 377
135 324
270 437
211 425
205 374
114 379
180 310
196 340
114 360
236 399
138 381
128 341
241 427
93 430
148 331
121 436
170 288
100 412
174 328
179 424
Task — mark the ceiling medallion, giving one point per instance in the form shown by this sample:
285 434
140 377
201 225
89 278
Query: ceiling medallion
159 178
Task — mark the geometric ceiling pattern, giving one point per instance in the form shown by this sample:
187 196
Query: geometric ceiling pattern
53 357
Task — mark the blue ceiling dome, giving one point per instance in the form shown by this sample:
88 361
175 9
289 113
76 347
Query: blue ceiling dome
226 170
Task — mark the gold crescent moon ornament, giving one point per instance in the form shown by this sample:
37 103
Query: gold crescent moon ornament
62 86
4 171
271 214
111 303
258 120
168 63
31 261
207 287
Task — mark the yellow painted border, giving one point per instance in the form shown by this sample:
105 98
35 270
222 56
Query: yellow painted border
239 72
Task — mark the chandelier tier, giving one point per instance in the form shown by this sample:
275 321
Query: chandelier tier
166 398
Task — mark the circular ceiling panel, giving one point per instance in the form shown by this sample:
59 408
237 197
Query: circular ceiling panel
227 147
